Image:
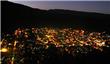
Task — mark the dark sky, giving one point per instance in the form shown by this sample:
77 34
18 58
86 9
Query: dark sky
89 6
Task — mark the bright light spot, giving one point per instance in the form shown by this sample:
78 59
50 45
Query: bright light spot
15 43
3 50
48 36
103 43
82 42
47 46
12 58
9 44
73 44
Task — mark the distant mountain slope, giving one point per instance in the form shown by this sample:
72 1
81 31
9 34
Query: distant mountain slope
15 15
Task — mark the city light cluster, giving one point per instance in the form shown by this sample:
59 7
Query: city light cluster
25 43
59 37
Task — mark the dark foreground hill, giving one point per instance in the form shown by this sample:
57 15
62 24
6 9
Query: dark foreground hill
16 15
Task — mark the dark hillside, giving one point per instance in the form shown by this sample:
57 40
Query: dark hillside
15 15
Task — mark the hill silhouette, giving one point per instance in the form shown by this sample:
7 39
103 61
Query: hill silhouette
16 15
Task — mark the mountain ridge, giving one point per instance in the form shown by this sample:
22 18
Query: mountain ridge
20 15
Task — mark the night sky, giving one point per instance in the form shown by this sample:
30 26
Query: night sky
89 6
